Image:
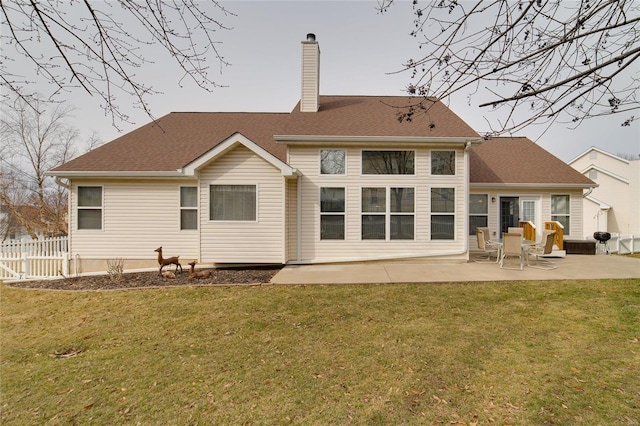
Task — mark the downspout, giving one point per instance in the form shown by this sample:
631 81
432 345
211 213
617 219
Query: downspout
589 191
298 218
467 187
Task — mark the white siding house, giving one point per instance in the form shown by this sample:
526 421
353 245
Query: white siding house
339 178
614 206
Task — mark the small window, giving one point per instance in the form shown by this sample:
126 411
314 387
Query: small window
188 207
442 217
332 209
332 161
593 174
443 163
89 207
478 212
560 211
232 202
388 162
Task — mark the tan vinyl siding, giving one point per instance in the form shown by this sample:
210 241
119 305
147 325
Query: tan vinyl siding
306 159
310 77
260 241
137 217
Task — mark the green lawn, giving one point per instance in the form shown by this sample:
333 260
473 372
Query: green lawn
565 352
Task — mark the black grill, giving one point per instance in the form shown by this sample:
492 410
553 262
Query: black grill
603 238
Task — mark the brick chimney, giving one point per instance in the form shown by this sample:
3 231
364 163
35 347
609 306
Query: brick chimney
310 74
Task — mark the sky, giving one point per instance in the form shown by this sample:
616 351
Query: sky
360 51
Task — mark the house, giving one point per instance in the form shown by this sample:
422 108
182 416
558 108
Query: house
339 178
614 206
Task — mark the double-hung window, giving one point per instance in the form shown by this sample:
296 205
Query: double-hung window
478 212
188 207
442 213
397 210
89 207
560 211
233 202
332 210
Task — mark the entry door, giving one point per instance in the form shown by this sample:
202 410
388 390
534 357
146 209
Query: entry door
530 212
509 213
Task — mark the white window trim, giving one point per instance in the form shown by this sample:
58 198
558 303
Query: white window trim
567 215
478 214
388 213
196 208
78 207
455 165
257 219
332 174
321 213
454 213
391 176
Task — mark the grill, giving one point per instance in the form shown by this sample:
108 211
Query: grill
603 238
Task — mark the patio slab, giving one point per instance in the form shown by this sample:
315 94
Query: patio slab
570 267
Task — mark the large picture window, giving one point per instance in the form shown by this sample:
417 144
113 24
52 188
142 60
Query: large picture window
89 207
188 207
442 213
478 212
332 209
232 202
388 162
443 163
332 161
560 211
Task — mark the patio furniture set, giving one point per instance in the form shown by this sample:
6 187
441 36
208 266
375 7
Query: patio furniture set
514 246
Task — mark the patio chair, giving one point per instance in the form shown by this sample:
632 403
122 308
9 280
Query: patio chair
516 230
488 250
511 248
542 249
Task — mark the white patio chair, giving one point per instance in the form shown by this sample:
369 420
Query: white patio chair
545 248
516 230
511 248
489 250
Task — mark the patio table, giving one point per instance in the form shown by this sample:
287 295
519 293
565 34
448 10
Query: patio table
525 246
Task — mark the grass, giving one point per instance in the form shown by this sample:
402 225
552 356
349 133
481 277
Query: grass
483 353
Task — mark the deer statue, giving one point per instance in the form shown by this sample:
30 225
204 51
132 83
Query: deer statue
200 274
168 261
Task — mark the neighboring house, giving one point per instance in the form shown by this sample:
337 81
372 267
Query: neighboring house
339 178
12 229
614 206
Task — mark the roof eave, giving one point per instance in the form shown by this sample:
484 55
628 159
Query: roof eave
117 174
313 139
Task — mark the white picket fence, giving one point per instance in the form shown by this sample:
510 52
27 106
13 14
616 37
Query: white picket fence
620 244
34 258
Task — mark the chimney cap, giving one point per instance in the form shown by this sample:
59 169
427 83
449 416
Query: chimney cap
311 37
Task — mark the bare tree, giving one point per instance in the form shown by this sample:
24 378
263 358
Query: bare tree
98 47
34 141
542 60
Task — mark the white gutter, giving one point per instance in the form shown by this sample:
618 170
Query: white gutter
530 185
308 139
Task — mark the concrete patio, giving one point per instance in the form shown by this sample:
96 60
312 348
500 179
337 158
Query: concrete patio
570 267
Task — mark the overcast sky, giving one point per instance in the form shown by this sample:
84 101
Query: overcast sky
359 49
